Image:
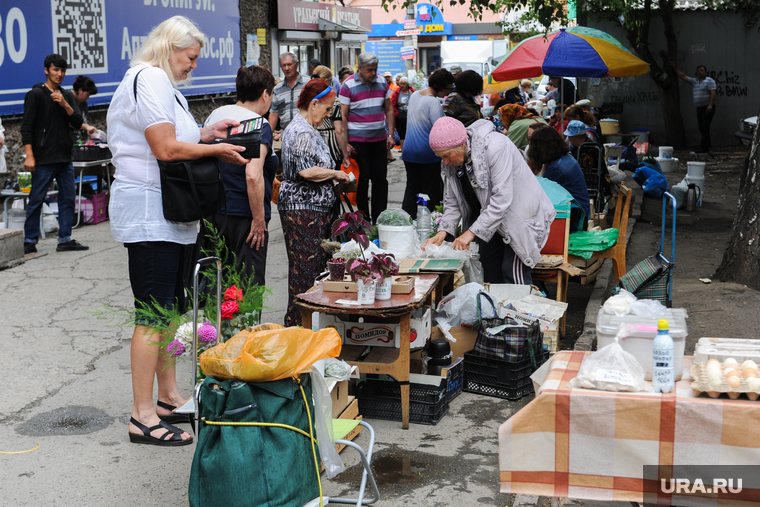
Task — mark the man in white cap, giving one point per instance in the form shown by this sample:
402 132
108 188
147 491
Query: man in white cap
389 79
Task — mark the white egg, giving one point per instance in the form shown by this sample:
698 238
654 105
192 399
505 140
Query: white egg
715 382
749 363
730 361
753 384
729 369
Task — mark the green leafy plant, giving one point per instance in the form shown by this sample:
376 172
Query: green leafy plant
382 264
355 226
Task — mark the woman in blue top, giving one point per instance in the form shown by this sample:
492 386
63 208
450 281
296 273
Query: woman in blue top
423 167
548 152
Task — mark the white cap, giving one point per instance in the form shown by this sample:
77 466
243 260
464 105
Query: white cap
583 103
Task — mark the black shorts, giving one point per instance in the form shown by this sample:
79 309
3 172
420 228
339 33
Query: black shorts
157 276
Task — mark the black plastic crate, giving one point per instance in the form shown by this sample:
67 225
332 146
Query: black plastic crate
381 399
499 378
90 152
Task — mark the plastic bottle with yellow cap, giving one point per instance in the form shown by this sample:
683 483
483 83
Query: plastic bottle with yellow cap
663 371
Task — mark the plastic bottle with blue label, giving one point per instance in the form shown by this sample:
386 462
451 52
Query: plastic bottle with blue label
663 361
424 225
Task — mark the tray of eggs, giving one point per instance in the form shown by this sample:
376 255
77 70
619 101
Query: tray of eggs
729 377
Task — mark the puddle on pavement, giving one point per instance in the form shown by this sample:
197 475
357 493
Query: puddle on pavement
66 421
393 470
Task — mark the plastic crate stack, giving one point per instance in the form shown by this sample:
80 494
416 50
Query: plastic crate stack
381 399
499 378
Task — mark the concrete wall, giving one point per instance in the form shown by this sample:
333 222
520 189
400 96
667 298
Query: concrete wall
253 14
718 40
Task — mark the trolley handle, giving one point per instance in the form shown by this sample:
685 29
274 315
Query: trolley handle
205 262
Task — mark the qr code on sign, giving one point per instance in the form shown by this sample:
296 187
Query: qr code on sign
79 34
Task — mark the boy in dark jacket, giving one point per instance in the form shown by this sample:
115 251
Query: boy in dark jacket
50 114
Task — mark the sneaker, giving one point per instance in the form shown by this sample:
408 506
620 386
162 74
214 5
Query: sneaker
30 248
71 246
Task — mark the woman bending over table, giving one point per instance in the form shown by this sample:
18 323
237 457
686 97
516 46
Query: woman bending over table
500 202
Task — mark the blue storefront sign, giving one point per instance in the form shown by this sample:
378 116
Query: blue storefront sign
389 55
99 37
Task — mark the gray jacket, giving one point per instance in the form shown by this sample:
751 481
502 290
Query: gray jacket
511 198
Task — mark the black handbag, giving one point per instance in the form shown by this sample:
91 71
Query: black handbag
191 190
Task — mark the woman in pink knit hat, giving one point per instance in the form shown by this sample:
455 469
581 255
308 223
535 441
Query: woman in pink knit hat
495 195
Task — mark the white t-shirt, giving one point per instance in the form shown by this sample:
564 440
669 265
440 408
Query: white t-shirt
135 210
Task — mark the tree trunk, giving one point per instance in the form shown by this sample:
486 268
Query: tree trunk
670 101
740 259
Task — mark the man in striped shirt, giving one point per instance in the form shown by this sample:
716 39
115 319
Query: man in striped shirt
365 101
286 94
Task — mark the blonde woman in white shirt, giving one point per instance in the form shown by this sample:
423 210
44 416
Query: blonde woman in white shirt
152 125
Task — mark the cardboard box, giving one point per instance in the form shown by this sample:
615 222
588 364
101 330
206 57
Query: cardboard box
454 375
339 395
465 340
401 285
380 334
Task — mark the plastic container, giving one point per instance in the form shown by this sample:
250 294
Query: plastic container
609 126
666 152
668 165
16 218
639 343
381 399
722 348
499 378
399 240
643 135
695 169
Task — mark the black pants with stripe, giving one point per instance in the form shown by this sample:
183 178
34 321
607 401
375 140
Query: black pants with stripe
501 264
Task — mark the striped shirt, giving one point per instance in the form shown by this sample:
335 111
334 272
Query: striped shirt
702 90
285 99
366 116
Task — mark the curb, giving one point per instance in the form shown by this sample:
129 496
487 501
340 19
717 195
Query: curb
587 340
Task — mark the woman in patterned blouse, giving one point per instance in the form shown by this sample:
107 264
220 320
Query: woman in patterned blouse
307 191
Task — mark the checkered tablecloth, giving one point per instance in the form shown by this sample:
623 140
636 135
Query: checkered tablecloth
592 445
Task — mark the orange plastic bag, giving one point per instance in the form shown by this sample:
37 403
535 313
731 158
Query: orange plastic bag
268 355
353 168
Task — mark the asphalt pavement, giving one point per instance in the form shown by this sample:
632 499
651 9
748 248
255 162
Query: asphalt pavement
68 397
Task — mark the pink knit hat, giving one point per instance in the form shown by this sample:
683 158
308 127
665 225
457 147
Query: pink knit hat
447 133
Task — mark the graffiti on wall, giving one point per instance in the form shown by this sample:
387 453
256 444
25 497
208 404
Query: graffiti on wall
637 97
728 83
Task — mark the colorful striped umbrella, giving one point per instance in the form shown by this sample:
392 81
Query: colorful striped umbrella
490 85
574 52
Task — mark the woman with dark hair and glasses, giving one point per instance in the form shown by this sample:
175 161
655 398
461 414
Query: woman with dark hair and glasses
249 186
423 167
307 191
463 103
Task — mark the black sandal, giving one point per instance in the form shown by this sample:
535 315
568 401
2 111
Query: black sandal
172 436
172 418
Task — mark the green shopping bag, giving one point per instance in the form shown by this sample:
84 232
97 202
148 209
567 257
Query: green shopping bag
585 243
239 464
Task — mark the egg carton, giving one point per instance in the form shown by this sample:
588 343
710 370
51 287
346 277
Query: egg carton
701 384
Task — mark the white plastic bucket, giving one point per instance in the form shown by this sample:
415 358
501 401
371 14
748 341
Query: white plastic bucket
666 152
668 165
695 169
700 182
643 135
398 240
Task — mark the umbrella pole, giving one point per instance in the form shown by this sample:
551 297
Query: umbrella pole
562 102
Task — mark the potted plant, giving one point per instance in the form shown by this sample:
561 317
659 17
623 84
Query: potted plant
383 265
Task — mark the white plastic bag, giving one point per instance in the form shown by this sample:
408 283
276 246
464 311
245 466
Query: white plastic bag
611 369
444 251
49 221
323 423
459 307
619 304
